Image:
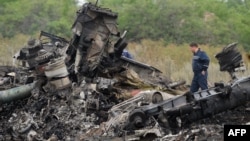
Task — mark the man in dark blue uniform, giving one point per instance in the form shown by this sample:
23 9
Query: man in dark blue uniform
125 53
200 65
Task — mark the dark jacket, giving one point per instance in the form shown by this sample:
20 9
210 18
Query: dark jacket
200 62
125 53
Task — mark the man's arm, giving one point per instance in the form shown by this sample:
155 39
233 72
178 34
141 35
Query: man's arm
205 61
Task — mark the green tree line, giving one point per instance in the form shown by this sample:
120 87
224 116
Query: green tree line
182 21
209 22
30 16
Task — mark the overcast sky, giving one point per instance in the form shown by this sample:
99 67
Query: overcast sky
80 2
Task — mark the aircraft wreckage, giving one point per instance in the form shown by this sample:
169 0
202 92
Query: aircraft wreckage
84 89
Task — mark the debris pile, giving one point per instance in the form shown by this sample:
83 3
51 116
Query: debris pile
83 89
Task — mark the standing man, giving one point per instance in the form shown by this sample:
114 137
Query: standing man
200 65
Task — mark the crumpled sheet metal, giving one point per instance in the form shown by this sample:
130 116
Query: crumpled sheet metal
133 81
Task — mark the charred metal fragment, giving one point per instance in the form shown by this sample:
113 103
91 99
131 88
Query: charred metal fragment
52 39
93 28
230 59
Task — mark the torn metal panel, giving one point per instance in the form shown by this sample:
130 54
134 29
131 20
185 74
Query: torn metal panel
119 114
143 72
230 60
93 27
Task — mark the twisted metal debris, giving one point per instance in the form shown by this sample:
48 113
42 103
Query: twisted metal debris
83 89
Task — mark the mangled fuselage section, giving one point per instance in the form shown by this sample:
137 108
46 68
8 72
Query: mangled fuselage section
93 29
97 45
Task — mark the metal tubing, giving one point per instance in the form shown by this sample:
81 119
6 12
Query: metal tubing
16 93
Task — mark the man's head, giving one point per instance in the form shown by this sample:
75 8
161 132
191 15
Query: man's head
194 47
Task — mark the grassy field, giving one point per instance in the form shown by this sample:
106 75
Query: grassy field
8 47
173 60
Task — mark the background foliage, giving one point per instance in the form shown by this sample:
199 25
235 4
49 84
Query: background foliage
210 22
30 16
175 60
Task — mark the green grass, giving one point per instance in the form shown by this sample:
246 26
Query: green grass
8 47
175 60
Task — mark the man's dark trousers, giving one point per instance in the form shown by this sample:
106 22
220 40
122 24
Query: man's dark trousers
199 81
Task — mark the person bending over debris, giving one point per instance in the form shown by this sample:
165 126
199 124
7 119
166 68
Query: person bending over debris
200 65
